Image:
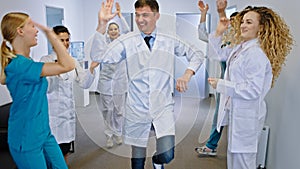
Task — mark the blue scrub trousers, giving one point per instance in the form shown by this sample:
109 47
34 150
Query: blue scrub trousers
47 155
163 155
215 136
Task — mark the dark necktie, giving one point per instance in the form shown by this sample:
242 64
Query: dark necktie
147 39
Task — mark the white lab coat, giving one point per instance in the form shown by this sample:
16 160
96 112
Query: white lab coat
247 80
112 86
202 32
151 80
62 113
113 77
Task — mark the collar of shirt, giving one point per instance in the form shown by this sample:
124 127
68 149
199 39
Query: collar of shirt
241 47
153 34
19 55
249 43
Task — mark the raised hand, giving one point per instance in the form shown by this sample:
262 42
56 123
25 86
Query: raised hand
221 6
105 14
118 9
202 7
222 26
43 28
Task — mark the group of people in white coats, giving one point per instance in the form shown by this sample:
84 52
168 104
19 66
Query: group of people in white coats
253 64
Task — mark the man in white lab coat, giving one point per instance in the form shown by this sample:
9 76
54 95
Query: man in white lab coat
150 69
62 113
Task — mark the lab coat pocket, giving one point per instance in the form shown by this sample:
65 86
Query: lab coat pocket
244 130
245 104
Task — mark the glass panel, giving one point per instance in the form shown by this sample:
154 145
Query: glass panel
54 17
230 10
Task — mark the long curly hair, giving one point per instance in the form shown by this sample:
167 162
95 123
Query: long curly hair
274 36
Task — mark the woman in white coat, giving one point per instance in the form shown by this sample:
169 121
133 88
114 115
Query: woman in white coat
62 113
253 65
112 86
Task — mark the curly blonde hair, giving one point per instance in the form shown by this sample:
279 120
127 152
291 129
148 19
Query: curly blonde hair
274 36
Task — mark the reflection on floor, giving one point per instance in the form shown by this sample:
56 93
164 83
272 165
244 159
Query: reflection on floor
194 117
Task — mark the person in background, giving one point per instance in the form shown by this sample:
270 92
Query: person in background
253 65
60 94
150 56
210 148
112 86
30 141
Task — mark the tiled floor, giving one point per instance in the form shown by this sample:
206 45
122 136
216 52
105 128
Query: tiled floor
194 117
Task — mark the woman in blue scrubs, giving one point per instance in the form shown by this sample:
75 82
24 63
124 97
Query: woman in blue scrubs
31 143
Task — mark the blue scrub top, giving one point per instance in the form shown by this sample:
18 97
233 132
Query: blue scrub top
28 124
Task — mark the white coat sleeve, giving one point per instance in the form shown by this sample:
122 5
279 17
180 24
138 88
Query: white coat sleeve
193 54
83 76
53 81
249 81
202 32
124 25
214 48
102 52
98 48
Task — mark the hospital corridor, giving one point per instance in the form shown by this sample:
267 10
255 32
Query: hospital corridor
192 118
189 69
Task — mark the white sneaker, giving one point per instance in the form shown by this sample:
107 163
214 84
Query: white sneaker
109 142
206 151
158 166
119 140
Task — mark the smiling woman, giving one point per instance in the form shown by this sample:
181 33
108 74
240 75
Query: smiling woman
27 86
271 25
112 86
254 62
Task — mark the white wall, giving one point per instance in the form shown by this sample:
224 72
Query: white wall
37 10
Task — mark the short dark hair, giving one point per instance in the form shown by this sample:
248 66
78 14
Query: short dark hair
234 14
60 29
151 3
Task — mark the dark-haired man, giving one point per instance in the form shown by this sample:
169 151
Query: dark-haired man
150 104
